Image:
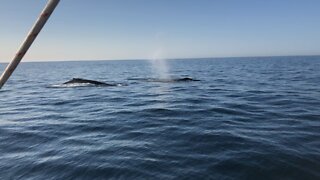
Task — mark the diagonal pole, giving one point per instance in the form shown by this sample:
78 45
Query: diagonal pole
35 30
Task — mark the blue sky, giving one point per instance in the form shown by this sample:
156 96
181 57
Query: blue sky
139 29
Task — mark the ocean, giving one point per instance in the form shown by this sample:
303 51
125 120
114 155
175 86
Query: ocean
247 118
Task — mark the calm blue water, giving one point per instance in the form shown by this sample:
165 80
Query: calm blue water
248 118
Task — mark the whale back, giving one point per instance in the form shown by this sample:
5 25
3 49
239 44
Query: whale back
80 80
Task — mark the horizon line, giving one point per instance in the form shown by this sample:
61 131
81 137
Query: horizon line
146 59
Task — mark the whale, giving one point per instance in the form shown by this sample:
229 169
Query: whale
87 81
173 80
170 80
184 79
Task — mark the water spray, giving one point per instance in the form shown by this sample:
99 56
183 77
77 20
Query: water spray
159 64
35 30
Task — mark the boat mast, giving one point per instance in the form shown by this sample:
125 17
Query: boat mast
35 30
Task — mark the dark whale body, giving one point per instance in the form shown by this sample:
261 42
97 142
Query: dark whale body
169 80
184 79
87 81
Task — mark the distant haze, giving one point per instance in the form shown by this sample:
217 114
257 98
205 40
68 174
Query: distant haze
137 29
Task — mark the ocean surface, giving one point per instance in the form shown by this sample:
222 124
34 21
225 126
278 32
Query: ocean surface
247 118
